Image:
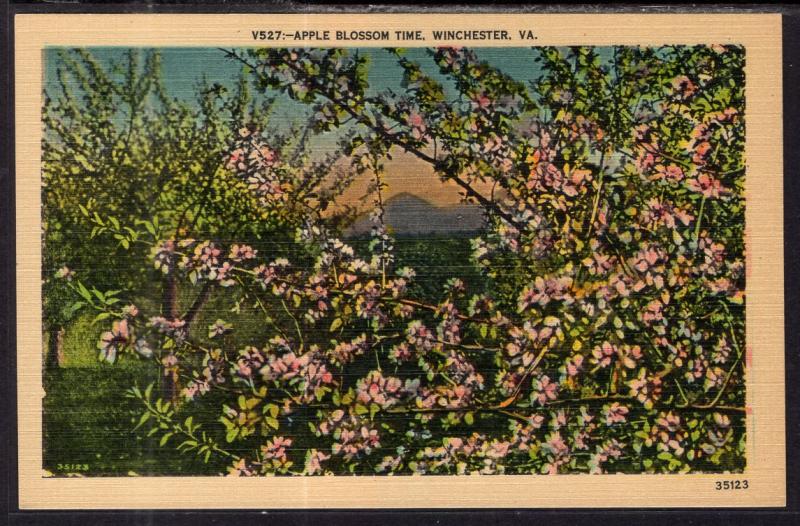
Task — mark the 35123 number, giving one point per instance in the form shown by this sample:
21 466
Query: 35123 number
722 485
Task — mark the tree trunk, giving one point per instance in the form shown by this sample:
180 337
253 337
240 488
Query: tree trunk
169 309
169 298
55 348
197 306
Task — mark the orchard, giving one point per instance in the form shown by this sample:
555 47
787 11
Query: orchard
605 334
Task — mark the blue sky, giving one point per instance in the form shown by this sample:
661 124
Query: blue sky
184 68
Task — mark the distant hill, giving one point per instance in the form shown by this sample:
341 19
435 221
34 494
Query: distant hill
408 214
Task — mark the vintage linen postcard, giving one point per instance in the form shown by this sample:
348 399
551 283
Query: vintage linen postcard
428 260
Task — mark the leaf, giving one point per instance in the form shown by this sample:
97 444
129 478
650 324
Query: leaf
469 419
83 291
83 161
272 409
164 439
337 322
70 310
144 418
102 316
736 300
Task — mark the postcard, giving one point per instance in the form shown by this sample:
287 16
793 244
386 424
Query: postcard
399 261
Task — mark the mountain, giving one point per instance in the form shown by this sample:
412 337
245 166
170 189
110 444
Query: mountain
408 214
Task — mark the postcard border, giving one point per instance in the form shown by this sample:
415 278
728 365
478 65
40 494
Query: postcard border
755 34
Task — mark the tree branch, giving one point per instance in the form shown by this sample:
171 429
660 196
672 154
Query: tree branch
198 304
393 139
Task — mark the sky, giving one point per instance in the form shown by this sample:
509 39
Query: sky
184 68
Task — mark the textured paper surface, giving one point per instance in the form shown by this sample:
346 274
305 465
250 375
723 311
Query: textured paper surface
761 37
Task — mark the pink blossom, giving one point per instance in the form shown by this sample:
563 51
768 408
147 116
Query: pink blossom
558 452
707 185
684 87
604 354
615 413
251 359
545 390
646 389
113 341
242 252
653 312
417 124
630 355
670 433
240 468
275 449
314 460
480 101
65 273
379 390
574 365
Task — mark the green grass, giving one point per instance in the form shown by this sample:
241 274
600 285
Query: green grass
81 341
88 420
88 425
